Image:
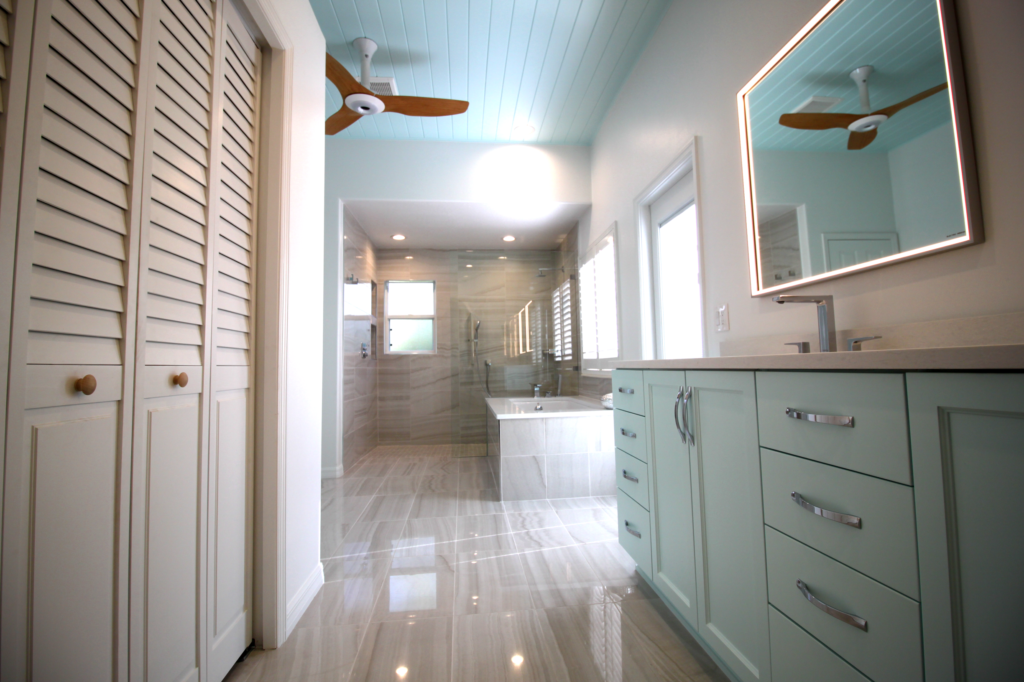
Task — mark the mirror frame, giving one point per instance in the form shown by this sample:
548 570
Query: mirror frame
969 191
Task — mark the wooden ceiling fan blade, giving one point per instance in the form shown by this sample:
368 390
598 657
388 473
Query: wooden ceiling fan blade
423 106
340 120
861 140
339 75
889 111
823 121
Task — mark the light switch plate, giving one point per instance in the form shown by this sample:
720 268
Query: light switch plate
722 318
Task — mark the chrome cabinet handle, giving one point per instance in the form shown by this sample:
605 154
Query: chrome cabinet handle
675 413
825 513
847 618
686 419
631 530
627 391
628 477
627 434
819 418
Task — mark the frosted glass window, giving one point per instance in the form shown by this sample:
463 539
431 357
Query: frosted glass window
411 336
410 298
409 312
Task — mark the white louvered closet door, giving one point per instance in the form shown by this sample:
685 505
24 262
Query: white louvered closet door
65 570
169 467
231 415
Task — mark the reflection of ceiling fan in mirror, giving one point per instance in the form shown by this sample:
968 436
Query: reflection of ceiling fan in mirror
370 96
863 127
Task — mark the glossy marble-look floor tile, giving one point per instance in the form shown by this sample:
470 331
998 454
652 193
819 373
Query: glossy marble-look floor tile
430 576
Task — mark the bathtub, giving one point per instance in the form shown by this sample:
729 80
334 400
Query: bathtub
566 448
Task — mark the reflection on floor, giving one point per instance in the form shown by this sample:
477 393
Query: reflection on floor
430 578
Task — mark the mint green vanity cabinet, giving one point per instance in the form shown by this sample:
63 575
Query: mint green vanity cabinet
725 466
674 569
628 390
798 657
856 421
967 436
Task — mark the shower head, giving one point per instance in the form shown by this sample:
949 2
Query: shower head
477 327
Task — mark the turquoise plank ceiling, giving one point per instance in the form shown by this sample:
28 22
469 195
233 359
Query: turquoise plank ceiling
900 38
553 64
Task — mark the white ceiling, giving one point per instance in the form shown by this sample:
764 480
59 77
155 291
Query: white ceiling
449 225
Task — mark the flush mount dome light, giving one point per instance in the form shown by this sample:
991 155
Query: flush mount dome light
363 104
863 125
508 238
398 237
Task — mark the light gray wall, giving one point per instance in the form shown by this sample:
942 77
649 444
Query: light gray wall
330 438
685 85
843 192
925 188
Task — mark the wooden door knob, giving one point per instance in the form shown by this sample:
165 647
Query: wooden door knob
86 384
180 380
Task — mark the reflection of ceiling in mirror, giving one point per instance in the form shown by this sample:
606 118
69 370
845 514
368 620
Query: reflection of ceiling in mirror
901 40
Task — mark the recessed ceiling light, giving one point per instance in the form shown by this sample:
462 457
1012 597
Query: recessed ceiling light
398 237
401 671
502 257
517 660
408 258
469 265
508 238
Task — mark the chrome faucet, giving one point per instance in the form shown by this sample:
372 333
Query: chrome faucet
826 318
536 390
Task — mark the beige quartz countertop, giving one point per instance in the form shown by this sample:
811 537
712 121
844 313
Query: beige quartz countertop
962 359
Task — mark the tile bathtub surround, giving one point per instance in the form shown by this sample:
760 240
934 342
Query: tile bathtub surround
456 597
553 458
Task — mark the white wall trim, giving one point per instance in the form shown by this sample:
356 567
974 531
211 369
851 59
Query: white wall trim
302 599
331 472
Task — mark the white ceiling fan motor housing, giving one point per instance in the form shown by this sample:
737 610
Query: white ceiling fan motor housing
867 123
363 104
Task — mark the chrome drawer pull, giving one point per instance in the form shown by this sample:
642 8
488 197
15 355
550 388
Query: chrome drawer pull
631 530
628 477
627 434
847 618
825 513
627 391
819 418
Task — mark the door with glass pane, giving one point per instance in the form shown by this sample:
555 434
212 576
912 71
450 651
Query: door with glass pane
675 245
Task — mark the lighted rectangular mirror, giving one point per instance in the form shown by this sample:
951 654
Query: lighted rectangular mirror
857 149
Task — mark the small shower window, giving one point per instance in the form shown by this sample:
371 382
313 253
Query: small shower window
409 308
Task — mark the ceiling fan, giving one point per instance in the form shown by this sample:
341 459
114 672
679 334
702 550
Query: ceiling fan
360 101
863 127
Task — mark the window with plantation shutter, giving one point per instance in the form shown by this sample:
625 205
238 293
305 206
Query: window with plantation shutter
561 314
599 305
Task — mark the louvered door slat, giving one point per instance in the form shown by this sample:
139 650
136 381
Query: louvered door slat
168 241
196 90
55 192
175 266
232 304
201 17
238 152
124 18
237 187
234 287
159 307
234 252
59 163
177 223
235 168
73 260
172 111
180 181
58 318
165 331
72 80
172 44
176 201
233 269
85 61
233 321
185 37
174 134
62 349
237 109
59 101
73 230
60 287
88 34
70 139
163 148
190 24
106 25
183 98
173 287
234 235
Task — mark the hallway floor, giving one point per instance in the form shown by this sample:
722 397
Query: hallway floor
429 577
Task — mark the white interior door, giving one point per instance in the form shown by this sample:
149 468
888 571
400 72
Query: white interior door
65 540
231 417
170 464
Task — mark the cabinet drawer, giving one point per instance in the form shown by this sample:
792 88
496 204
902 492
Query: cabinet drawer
884 546
798 657
889 650
628 390
631 434
633 517
627 468
875 444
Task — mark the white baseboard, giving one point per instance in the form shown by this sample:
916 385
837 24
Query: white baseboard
332 472
300 602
